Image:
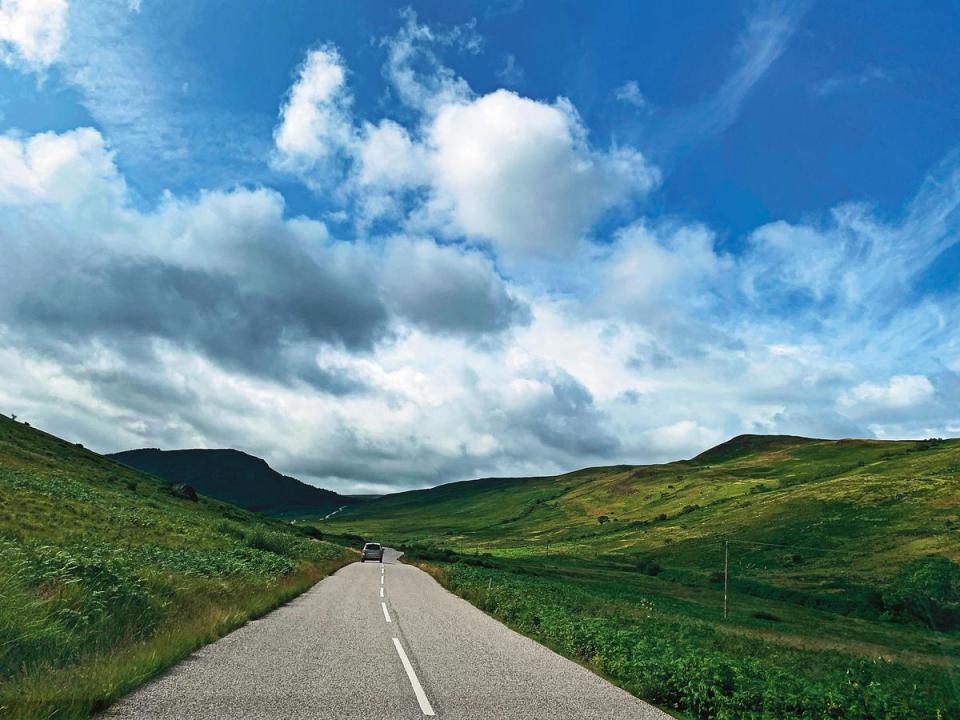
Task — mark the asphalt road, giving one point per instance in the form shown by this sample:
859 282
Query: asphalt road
333 653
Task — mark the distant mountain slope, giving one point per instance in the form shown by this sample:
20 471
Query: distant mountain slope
744 445
899 499
235 477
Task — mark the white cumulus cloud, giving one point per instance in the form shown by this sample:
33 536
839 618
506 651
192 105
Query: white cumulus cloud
654 271
518 173
32 31
683 437
522 174
67 168
900 391
389 157
315 121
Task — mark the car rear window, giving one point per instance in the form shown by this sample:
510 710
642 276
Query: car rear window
372 546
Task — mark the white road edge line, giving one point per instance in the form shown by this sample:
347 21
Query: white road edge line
412 676
381 592
385 613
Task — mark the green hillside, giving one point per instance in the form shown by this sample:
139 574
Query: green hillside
882 503
235 477
839 551
107 576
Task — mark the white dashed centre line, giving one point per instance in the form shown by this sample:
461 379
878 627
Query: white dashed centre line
386 614
412 676
381 592
381 579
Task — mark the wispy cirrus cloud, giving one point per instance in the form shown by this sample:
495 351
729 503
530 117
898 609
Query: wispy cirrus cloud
767 32
113 62
837 83
855 263
511 72
414 69
134 78
630 94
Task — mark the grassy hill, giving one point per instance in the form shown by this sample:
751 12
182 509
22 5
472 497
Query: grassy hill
107 577
840 553
235 477
880 503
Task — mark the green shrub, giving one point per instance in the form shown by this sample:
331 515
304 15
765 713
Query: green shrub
231 530
649 566
276 543
926 590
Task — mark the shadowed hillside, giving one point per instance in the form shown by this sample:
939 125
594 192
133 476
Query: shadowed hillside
235 477
745 445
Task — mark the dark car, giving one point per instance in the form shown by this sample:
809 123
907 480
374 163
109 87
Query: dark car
372 551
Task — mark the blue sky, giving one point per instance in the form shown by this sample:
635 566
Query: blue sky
865 105
389 246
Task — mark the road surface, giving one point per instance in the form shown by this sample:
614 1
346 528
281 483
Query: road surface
379 641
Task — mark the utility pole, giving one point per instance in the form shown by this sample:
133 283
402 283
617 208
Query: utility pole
726 566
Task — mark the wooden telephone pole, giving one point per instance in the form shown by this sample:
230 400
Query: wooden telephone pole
726 565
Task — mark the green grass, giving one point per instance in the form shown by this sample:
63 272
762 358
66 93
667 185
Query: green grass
652 647
106 578
841 553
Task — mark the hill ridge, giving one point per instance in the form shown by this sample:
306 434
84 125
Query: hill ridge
235 476
747 443
782 477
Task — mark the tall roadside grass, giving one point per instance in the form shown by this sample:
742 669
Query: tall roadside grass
199 611
107 577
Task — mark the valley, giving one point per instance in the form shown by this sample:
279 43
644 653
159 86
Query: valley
768 577
842 571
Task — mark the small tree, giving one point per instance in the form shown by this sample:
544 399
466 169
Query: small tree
927 590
